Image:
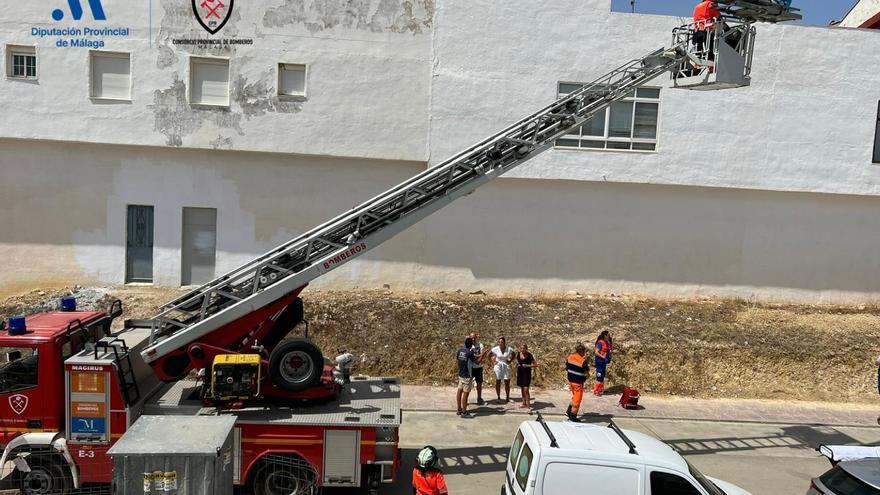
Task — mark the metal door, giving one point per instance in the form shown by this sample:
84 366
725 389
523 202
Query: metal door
342 454
139 244
199 245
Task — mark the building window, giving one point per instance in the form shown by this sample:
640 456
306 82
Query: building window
629 124
111 75
21 62
209 81
876 158
292 80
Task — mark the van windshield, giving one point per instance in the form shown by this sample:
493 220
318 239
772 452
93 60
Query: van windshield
18 368
705 482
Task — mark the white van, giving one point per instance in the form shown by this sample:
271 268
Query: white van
566 458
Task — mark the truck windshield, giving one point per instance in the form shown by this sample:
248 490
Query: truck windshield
18 368
706 483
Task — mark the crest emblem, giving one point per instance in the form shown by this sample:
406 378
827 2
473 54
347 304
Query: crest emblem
18 403
212 14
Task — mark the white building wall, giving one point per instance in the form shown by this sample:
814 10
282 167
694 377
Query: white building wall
765 191
368 78
806 123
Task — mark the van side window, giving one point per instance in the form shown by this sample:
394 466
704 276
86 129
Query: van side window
523 467
514 450
670 484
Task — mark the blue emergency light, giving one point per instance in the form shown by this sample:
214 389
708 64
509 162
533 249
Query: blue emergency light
17 325
68 303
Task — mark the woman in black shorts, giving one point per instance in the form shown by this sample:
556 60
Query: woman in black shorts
525 362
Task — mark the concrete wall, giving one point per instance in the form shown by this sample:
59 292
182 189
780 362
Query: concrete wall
863 11
520 235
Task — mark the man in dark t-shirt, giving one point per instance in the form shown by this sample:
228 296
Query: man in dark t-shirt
466 359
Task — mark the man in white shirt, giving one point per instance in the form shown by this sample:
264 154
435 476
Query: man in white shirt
477 367
502 356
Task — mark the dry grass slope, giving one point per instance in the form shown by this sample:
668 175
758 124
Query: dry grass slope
704 348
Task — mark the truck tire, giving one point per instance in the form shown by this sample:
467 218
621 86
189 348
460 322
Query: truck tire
284 475
48 476
296 365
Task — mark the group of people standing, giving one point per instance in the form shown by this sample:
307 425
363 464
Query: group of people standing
505 360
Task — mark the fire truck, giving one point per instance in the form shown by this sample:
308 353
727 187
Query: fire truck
71 386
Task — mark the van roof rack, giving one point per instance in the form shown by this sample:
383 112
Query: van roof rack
626 440
547 429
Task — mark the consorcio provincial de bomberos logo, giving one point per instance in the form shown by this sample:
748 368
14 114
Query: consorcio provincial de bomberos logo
80 32
212 14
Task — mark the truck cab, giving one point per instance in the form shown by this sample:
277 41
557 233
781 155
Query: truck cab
32 369
32 400
552 458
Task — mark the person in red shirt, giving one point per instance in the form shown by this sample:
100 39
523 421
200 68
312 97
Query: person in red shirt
705 14
427 479
602 360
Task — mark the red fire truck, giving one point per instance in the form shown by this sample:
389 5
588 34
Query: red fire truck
70 388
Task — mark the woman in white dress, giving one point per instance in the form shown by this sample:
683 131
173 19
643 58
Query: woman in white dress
502 355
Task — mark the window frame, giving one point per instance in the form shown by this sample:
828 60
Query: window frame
294 96
520 481
113 54
606 138
21 50
875 155
215 61
35 353
696 487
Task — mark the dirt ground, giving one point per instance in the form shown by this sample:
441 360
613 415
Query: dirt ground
702 348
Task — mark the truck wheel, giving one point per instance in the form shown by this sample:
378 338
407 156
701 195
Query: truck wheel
284 475
48 476
296 365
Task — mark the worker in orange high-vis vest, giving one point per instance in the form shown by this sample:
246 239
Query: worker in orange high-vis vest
705 14
578 368
427 479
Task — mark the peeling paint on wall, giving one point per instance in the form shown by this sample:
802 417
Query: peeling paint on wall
260 97
166 58
221 143
394 16
176 118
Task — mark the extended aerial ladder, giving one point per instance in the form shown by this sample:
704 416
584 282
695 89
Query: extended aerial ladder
255 305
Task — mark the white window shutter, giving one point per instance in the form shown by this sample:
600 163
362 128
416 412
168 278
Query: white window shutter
210 82
111 76
292 79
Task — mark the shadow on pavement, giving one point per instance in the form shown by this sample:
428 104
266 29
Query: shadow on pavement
805 437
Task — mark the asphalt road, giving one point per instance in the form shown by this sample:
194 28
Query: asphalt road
765 459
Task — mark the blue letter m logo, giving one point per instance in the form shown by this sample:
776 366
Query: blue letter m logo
76 10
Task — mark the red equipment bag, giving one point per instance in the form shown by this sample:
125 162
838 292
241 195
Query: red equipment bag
630 398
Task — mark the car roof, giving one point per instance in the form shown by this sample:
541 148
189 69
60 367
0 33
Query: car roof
866 470
600 441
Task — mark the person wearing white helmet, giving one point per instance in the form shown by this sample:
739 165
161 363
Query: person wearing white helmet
427 478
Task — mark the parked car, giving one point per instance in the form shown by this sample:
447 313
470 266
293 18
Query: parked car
855 471
558 457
